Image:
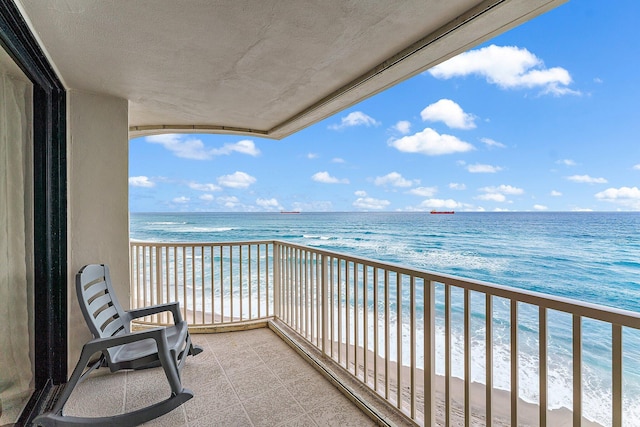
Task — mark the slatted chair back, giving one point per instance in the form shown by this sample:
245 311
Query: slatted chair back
102 311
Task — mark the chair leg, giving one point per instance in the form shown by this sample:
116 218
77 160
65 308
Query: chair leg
170 367
195 349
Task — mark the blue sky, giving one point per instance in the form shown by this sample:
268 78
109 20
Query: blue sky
543 117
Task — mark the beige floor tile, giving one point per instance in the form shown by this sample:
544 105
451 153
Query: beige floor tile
274 350
100 395
291 366
233 416
145 387
340 412
311 390
226 342
258 337
301 421
272 408
175 418
239 360
203 370
253 382
207 403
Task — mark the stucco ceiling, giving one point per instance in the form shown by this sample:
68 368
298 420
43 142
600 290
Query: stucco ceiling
265 67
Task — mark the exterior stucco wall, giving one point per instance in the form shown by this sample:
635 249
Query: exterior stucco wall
98 199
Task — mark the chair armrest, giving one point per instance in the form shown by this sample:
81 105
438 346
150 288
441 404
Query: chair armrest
157 334
173 307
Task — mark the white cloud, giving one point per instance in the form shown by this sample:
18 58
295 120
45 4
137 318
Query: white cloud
424 191
244 147
499 193
312 156
586 179
207 197
394 179
141 181
503 189
236 180
431 143
403 126
457 186
555 193
440 203
581 210
360 193
480 168
450 113
493 197
325 178
369 203
228 201
337 160
540 207
204 187
181 200
628 197
508 67
268 203
356 118
566 162
192 148
491 143
637 167
181 146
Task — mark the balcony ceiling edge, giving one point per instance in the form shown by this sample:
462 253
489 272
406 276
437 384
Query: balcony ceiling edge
264 69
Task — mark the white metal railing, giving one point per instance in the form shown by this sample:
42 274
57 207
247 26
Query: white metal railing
216 283
381 322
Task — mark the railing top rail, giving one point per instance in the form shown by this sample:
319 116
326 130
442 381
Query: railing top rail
197 244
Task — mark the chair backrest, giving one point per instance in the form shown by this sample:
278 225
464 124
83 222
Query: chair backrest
99 303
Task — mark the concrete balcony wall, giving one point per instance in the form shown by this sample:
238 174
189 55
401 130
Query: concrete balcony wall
97 199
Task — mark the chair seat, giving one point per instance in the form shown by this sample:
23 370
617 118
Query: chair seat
129 353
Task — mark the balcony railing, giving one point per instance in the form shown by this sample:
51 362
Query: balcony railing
381 322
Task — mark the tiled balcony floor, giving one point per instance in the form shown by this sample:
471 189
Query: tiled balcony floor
248 378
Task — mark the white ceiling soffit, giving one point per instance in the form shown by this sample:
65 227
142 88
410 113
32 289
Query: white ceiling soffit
267 68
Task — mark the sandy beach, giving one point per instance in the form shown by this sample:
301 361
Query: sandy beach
528 413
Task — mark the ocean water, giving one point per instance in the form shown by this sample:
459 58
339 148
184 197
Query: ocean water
588 256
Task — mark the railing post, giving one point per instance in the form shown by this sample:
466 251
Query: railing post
429 353
324 277
158 276
277 280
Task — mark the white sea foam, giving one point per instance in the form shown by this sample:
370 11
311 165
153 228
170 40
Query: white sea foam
317 237
439 259
192 229
167 223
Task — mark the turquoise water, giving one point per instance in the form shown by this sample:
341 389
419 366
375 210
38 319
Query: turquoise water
588 256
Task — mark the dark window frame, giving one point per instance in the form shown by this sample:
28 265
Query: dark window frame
50 207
